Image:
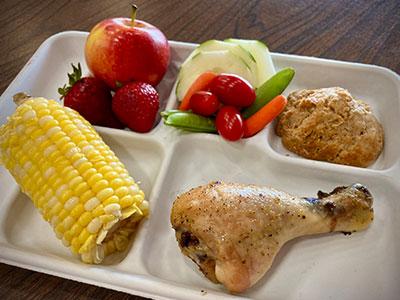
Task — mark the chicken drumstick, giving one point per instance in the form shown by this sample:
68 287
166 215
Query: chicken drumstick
233 231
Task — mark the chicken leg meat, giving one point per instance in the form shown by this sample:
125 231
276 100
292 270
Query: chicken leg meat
234 231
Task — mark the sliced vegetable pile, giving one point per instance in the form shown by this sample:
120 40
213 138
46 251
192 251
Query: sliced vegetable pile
229 87
249 59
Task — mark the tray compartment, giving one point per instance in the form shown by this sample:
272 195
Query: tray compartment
362 82
310 256
24 228
53 62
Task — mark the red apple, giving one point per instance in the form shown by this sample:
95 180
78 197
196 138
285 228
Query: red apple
122 50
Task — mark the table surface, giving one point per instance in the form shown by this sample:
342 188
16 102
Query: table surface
351 30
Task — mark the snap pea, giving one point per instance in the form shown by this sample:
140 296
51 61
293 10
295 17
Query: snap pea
269 90
189 121
164 114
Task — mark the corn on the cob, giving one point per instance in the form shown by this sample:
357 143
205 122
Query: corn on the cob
73 178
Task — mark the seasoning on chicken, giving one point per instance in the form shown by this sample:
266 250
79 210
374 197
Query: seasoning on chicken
234 231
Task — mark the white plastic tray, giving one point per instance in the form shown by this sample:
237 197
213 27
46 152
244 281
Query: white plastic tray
365 265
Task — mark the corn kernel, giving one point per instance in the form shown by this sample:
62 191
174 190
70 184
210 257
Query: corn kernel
98 211
121 191
105 219
65 196
76 229
86 196
112 208
68 222
129 211
126 201
84 167
60 229
94 225
105 193
77 211
85 219
94 179
71 203
117 183
63 214
111 176
71 175
74 182
81 188
138 198
89 173
68 236
91 204
110 200
75 245
100 185
83 236
87 244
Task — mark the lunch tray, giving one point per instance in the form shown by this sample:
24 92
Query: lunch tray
167 161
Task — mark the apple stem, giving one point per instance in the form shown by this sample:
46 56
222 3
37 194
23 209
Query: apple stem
133 15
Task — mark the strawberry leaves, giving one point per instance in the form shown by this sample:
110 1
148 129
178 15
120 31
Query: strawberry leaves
72 79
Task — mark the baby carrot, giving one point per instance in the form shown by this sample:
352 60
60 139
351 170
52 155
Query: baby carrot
262 117
198 85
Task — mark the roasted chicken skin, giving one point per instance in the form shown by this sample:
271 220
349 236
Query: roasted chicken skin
233 231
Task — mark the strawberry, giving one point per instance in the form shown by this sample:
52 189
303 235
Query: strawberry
90 97
136 104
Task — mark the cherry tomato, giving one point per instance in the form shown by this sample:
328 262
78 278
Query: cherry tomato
204 103
233 90
229 123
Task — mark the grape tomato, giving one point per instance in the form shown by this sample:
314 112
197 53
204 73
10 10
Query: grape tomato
233 90
204 103
229 123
